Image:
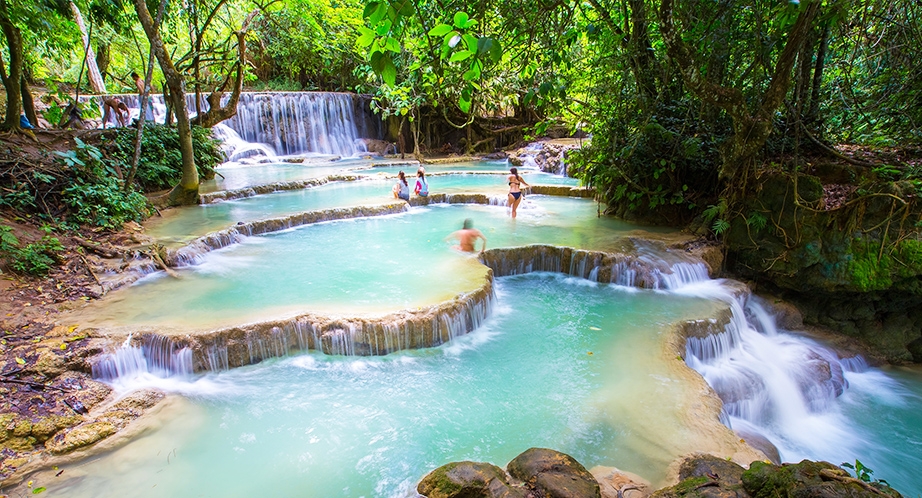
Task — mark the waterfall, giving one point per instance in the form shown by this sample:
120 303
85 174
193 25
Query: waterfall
779 385
157 355
283 123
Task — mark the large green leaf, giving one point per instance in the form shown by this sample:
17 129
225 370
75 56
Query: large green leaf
460 56
471 41
392 44
366 38
370 9
461 20
440 30
464 102
382 65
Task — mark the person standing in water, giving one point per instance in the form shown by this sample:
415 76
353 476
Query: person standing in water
422 187
139 84
402 188
515 190
467 237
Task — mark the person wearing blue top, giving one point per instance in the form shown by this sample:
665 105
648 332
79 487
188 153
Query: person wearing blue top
402 188
422 187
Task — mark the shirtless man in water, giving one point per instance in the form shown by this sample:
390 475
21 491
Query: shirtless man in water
467 237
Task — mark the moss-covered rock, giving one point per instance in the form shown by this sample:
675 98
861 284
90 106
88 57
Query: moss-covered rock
856 268
48 426
467 480
807 479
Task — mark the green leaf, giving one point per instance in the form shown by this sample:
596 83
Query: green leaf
465 101
370 9
384 28
378 13
460 56
471 74
367 37
484 45
38 490
471 42
404 7
461 20
440 30
392 44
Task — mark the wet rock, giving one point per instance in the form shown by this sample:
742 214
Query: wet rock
808 479
468 480
555 474
760 443
80 436
915 349
46 427
706 476
616 483
49 363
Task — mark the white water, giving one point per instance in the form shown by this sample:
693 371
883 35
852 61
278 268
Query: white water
284 123
799 394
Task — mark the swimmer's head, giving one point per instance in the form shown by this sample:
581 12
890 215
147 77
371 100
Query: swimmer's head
468 224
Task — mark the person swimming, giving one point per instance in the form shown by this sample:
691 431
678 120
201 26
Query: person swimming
515 191
467 237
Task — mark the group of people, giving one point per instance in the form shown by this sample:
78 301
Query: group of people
402 188
468 235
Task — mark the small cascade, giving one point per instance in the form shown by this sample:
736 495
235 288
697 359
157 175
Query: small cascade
629 270
229 348
156 355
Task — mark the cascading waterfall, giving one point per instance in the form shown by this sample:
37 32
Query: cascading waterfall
157 355
780 386
283 123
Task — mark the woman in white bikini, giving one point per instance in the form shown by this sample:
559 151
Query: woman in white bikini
515 191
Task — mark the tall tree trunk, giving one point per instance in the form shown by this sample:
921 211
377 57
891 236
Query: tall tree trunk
28 104
813 110
93 75
103 58
12 79
186 192
751 128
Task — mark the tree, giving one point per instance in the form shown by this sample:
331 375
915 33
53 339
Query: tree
186 191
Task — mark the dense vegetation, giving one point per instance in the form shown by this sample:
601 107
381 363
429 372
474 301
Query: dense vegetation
690 105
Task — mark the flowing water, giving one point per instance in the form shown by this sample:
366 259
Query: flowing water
560 362
372 264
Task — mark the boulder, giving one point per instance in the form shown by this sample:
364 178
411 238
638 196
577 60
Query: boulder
468 480
706 476
813 479
555 474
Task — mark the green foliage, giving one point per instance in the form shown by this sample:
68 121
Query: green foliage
863 473
36 258
102 203
161 162
95 197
